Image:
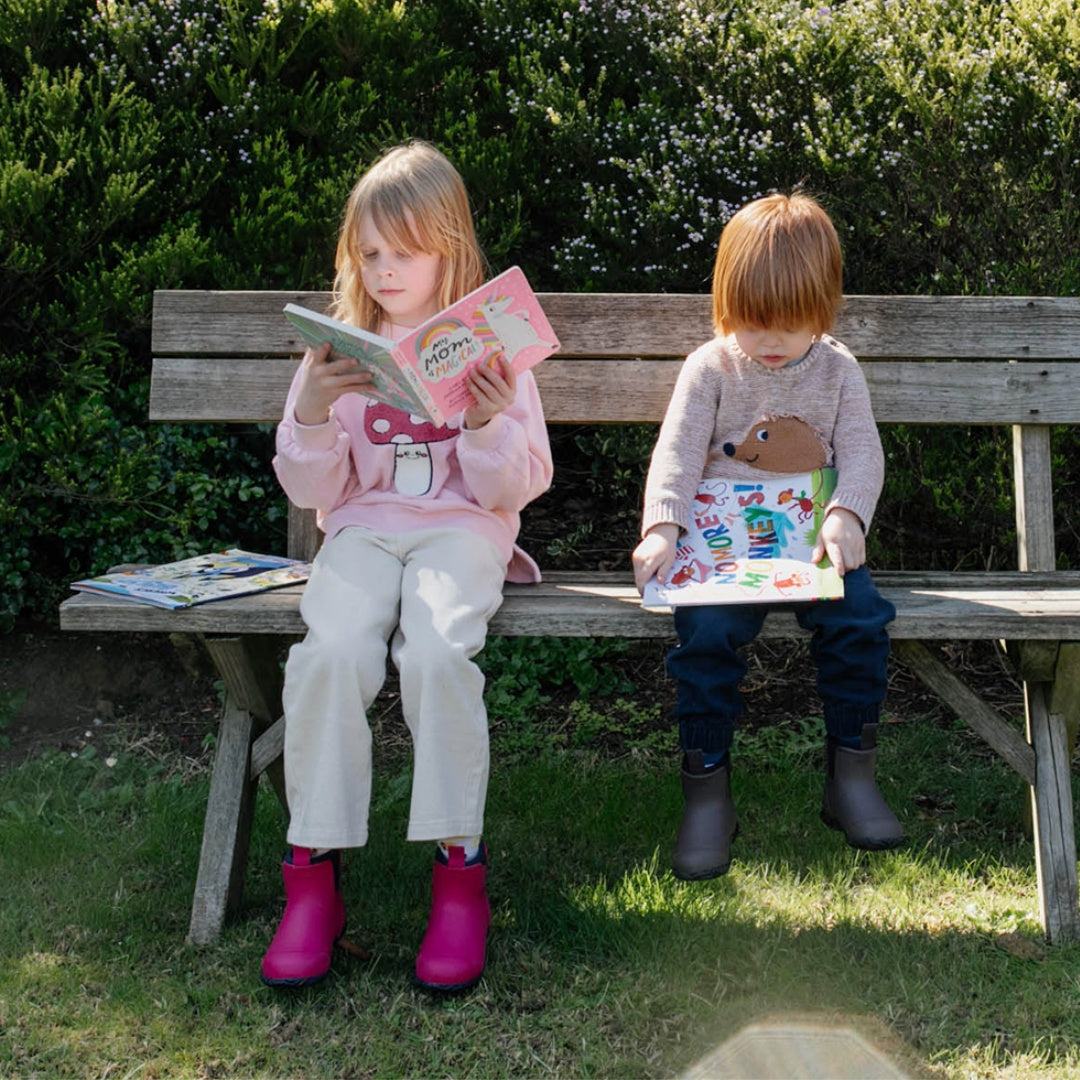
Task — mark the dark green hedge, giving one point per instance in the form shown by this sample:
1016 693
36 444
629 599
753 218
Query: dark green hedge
187 144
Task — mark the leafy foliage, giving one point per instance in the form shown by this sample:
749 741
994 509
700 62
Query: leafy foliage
188 144
523 674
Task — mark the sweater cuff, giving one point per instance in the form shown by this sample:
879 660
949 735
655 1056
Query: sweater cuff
663 512
863 509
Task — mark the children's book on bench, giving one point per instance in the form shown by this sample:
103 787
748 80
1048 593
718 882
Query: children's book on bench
424 372
750 542
219 575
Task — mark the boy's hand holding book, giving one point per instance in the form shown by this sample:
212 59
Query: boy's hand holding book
655 554
751 541
842 539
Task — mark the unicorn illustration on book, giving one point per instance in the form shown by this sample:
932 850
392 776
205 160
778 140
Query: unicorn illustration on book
513 329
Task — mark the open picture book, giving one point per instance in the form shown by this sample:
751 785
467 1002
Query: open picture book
750 542
200 579
424 372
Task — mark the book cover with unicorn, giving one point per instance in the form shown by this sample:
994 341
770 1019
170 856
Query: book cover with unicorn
424 372
750 542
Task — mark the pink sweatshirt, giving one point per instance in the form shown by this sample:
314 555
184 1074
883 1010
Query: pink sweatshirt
379 468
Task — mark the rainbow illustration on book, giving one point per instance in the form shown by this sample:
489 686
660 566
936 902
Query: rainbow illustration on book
493 347
750 542
446 349
449 346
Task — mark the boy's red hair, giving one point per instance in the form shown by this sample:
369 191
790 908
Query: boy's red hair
778 264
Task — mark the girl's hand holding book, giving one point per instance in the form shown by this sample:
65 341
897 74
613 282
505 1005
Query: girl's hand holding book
323 379
494 390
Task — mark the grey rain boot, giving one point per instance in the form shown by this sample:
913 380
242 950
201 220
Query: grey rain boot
852 801
703 846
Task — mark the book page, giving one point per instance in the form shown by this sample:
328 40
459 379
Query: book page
750 542
372 352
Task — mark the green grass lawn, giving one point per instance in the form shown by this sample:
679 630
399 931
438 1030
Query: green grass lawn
600 962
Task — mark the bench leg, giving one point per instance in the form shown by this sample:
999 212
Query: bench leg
968 706
1065 701
266 754
1042 761
252 677
227 830
1052 817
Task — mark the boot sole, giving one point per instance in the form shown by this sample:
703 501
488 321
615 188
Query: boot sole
713 871
702 875
867 844
447 988
294 984
305 980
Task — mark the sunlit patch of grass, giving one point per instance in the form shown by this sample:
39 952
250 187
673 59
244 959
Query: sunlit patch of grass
600 962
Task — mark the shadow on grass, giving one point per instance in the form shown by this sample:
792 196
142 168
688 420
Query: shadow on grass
600 962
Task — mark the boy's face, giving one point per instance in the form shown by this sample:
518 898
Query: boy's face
405 284
774 347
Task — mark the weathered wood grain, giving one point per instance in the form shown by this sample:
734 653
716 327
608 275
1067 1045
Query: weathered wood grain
1052 813
267 749
962 606
249 668
651 324
230 390
227 829
1006 740
1034 487
1066 693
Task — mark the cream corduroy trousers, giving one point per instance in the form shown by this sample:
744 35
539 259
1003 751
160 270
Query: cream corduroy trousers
429 595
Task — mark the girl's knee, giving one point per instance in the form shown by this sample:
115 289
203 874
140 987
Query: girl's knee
325 659
436 664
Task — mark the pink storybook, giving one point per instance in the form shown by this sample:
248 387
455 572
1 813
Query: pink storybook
424 372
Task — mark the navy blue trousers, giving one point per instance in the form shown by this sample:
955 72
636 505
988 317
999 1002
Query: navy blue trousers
849 645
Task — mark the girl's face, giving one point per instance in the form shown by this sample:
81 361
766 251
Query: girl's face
774 347
405 284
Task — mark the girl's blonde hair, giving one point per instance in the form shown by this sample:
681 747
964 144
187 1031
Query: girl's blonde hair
778 264
417 201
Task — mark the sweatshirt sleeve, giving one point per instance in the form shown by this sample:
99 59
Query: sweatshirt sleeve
678 459
507 463
312 463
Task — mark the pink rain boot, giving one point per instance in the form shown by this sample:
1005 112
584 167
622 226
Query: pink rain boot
314 919
452 953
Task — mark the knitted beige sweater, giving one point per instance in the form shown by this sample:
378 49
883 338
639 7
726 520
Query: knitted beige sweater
730 416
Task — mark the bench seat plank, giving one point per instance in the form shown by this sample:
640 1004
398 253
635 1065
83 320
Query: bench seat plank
942 606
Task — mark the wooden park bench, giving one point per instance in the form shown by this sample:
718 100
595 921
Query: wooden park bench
225 357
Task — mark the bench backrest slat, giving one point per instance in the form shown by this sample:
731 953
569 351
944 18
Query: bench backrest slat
192 323
230 356
625 391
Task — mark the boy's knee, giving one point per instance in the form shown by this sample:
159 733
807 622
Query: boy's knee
717 625
863 603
